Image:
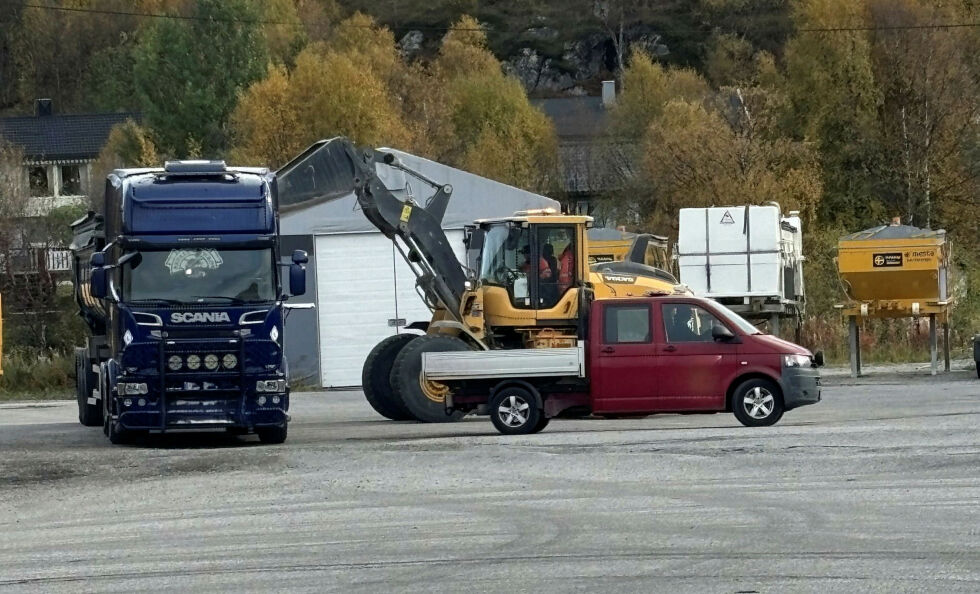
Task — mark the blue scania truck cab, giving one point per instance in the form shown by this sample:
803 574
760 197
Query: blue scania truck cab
180 281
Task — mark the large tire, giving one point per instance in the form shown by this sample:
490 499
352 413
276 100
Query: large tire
376 378
514 411
273 435
757 403
406 378
89 415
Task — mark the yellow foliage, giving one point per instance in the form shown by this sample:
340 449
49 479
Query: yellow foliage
464 52
283 31
647 87
266 123
368 44
128 145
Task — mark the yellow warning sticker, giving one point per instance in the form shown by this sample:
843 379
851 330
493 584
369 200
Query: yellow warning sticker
406 213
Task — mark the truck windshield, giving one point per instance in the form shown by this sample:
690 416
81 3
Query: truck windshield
736 319
200 275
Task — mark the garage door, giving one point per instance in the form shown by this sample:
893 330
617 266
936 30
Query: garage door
364 288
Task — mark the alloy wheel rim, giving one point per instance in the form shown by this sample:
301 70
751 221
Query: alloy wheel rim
513 411
759 403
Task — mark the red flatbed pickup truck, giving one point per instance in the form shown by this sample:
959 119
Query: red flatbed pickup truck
670 354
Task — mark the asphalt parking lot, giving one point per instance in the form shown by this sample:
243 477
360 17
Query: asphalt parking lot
874 489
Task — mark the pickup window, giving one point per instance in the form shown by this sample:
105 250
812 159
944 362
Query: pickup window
688 323
626 324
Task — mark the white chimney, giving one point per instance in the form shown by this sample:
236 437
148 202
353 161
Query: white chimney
608 93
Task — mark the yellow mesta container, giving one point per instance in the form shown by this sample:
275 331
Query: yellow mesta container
895 263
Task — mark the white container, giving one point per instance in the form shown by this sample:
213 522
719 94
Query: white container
741 252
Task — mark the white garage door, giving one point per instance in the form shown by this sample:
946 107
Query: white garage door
363 286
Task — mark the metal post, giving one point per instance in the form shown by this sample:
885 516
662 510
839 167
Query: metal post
932 341
854 345
946 345
774 324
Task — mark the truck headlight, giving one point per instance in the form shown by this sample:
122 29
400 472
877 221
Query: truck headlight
211 361
229 361
131 388
278 385
193 362
797 361
175 362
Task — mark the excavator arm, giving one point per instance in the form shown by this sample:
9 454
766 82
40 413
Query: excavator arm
335 167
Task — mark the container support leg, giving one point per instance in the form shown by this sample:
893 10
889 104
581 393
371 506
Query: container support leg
855 346
932 342
774 324
946 345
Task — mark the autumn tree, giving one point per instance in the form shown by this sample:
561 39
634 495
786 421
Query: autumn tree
926 76
188 74
128 145
338 87
490 128
647 87
833 103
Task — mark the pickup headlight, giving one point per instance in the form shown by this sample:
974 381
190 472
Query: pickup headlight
797 361
278 385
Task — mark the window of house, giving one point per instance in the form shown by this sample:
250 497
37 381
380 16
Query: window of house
38 176
71 180
627 323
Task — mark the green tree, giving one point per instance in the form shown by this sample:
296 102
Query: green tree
833 101
188 74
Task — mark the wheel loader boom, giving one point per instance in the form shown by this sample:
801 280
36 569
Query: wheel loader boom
337 166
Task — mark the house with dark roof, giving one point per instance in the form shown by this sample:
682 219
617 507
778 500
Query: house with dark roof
591 161
59 150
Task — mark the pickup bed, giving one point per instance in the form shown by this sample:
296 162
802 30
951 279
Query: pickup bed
671 354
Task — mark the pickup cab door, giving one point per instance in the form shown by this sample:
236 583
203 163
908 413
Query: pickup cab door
695 369
623 373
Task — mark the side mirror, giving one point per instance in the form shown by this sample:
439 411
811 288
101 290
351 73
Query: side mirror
721 333
818 359
300 257
97 260
99 283
297 279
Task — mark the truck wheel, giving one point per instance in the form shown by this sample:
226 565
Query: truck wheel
89 415
514 411
376 378
116 434
272 435
541 424
757 403
425 400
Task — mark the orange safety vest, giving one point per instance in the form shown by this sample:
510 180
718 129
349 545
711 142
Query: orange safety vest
566 270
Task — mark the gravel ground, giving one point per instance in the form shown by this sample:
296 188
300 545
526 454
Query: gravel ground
874 489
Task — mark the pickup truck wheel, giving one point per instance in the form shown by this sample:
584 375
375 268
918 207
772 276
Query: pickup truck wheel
272 435
89 415
514 411
757 403
425 400
376 378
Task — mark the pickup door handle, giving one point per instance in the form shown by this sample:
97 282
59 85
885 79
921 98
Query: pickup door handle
670 348
608 349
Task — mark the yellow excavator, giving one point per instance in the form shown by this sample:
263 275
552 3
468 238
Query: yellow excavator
528 283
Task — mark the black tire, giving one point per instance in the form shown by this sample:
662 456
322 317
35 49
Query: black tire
89 415
541 424
272 435
406 376
376 378
514 411
116 434
757 403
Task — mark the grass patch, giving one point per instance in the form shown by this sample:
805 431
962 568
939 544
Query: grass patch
37 375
